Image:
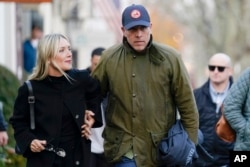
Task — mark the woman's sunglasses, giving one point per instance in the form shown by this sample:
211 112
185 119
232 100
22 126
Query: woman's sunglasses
219 68
59 151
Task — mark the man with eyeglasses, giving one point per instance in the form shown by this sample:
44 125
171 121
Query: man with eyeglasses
209 98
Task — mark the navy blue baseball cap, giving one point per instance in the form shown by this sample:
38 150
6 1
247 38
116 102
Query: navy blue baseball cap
135 15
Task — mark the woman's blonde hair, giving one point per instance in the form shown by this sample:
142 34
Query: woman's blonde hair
47 50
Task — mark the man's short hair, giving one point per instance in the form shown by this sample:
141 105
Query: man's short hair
97 51
36 26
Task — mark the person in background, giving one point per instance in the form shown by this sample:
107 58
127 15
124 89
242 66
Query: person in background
237 110
3 128
95 57
147 83
209 98
97 159
29 49
67 105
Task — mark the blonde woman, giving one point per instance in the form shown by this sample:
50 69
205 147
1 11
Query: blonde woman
62 94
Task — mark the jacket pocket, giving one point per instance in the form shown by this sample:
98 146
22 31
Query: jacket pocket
156 138
113 138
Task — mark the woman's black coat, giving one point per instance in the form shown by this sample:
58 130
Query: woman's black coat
82 93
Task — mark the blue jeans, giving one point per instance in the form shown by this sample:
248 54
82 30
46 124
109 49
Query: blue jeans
126 162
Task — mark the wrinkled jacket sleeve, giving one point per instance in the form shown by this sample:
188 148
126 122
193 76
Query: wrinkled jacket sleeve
237 104
185 101
20 121
93 100
3 123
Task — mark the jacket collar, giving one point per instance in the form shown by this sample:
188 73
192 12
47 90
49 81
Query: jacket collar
207 85
154 55
131 49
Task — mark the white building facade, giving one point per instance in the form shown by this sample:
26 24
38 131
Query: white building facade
88 24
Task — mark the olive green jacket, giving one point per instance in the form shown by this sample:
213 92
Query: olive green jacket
145 91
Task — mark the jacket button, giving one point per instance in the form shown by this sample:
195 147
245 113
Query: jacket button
77 116
77 163
133 75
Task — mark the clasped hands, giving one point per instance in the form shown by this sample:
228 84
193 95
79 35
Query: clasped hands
39 145
88 123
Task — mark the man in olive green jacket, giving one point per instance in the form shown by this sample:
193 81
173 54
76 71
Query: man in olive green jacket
147 83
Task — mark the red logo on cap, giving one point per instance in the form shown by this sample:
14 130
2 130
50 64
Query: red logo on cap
135 14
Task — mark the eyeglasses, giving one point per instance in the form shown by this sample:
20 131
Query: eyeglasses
59 151
220 68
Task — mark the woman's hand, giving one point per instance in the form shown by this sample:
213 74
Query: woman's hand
88 123
37 145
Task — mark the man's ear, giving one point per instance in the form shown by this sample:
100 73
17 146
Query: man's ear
123 31
231 71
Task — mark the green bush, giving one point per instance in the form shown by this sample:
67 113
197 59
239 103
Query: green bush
9 85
